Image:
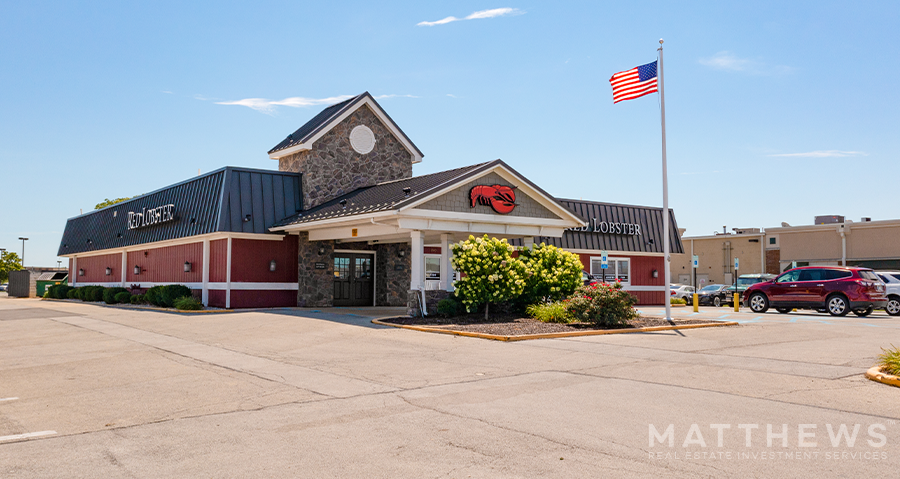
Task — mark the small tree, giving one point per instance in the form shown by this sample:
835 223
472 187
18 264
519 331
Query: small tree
489 273
550 273
8 262
108 202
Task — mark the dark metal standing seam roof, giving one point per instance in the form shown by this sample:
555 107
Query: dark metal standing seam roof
218 201
324 118
650 220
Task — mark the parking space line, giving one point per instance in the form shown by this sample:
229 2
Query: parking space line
8 399
27 435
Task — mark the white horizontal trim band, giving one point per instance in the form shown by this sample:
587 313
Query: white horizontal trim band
217 286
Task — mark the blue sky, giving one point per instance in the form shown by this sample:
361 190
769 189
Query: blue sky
776 111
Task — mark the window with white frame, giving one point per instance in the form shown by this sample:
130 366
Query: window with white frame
619 269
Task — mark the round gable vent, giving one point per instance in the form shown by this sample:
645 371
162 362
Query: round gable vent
362 139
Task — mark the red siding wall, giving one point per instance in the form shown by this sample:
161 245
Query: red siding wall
641 275
218 262
95 269
262 299
166 265
250 261
217 298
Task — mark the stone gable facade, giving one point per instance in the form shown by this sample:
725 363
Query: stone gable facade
333 168
458 200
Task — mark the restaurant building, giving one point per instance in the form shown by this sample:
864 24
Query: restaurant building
343 222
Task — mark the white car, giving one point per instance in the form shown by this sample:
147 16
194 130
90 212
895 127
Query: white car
892 291
4 287
682 291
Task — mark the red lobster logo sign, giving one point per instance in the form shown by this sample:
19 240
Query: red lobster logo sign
501 198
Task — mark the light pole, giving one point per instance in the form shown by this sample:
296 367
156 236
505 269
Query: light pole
23 251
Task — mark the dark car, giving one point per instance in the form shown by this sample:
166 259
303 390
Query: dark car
712 294
835 289
588 278
744 281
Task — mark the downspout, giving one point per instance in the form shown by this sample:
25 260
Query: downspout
843 247
424 305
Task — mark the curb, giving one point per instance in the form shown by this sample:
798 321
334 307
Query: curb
524 337
143 308
874 373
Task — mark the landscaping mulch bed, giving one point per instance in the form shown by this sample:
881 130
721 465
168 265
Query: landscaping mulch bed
515 325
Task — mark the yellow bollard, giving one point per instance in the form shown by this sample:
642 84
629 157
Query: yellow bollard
737 302
696 303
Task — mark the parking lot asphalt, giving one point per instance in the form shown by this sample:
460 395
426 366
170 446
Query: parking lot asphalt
88 391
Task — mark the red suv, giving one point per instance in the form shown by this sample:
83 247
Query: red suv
835 289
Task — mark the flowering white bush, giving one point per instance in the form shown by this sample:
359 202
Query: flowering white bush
550 273
489 272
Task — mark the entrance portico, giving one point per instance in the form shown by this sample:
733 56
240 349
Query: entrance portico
403 217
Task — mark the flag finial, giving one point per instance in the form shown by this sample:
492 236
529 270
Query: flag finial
660 41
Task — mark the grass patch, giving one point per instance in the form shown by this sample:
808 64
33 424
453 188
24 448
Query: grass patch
889 360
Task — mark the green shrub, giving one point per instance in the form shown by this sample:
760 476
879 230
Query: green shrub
138 299
154 295
172 292
677 301
72 293
448 308
489 273
109 295
550 312
889 360
62 291
123 297
97 294
602 304
551 274
188 303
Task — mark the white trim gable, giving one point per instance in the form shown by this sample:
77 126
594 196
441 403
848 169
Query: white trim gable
382 116
565 216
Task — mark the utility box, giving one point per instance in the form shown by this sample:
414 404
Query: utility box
829 220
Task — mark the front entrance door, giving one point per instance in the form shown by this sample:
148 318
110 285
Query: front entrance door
353 281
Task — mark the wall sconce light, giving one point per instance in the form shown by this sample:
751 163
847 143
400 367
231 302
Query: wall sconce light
343 204
137 270
246 218
187 267
655 273
321 250
406 191
402 253
272 265
108 271
81 272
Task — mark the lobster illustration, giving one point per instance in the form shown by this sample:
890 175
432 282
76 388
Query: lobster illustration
501 198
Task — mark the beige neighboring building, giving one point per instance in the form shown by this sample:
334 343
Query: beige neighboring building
716 255
871 244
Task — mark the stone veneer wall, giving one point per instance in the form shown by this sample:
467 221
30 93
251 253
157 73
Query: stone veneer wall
316 286
332 168
391 283
458 200
432 297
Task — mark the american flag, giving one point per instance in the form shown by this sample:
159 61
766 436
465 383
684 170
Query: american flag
634 83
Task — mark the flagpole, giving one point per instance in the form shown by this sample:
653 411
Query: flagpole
665 183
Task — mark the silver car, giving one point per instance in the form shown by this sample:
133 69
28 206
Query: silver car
891 290
682 291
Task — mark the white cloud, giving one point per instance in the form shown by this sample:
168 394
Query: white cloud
725 60
823 154
166 91
267 106
492 13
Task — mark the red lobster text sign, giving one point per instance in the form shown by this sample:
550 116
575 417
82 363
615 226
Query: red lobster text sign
501 198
